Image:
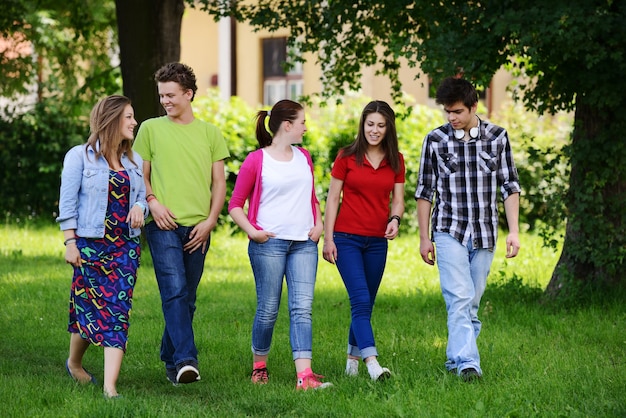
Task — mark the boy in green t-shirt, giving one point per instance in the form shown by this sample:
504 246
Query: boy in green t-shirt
185 189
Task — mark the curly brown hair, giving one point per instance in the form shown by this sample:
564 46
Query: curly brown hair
178 73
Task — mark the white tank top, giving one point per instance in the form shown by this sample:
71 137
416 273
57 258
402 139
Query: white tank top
285 206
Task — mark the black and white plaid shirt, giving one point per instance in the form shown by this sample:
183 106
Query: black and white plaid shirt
465 176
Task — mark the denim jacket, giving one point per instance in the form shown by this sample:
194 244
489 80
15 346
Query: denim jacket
84 191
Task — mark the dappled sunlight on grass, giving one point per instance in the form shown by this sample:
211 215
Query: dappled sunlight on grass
534 264
31 241
537 361
406 273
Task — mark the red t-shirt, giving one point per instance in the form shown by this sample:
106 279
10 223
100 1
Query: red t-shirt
365 204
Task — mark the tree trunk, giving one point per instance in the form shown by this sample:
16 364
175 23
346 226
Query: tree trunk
149 36
594 250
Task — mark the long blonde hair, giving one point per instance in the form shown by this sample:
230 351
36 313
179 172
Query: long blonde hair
105 127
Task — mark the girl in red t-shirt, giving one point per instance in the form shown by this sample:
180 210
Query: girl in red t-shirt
368 179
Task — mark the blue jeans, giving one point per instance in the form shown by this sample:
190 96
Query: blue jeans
178 274
361 263
297 262
463 272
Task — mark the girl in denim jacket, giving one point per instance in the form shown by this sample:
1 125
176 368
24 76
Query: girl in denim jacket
102 207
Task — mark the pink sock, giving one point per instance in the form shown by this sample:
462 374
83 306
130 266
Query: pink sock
259 365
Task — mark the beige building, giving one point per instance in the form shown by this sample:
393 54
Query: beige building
241 62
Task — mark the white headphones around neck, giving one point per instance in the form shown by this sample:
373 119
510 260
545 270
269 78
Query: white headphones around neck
473 132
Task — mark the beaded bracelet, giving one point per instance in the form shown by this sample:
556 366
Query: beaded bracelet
396 217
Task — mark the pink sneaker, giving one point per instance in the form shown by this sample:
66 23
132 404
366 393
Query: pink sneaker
309 380
260 376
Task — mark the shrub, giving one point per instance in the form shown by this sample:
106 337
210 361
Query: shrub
32 147
540 145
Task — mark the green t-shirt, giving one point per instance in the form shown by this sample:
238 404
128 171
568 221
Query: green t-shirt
181 159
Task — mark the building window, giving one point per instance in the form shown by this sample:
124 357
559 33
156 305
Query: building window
278 84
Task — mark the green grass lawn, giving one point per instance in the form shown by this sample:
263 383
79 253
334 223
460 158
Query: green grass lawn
537 360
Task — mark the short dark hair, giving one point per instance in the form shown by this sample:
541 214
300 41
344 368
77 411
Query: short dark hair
452 90
178 73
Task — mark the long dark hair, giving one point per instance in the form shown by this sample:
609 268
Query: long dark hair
105 127
389 143
283 110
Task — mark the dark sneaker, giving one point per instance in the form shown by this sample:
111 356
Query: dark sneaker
171 375
470 374
187 372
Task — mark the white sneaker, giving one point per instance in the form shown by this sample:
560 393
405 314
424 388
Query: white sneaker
376 372
385 373
352 367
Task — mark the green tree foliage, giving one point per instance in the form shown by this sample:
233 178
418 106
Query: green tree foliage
58 63
540 147
570 52
59 51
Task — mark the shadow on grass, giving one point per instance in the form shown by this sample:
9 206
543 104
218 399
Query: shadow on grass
523 344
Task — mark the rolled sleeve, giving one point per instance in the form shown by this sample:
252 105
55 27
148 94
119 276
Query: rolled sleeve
426 178
71 178
508 177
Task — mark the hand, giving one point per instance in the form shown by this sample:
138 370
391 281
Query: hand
392 229
163 217
329 252
316 232
512 245
260 236
72 255
199 236
427 251
135 217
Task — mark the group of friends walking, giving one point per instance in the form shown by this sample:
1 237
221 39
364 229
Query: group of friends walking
170 181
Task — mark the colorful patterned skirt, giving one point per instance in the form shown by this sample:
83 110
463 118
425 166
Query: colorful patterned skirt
102 288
